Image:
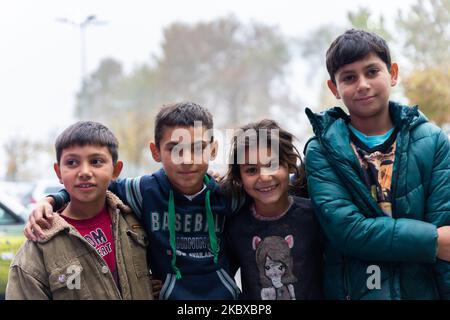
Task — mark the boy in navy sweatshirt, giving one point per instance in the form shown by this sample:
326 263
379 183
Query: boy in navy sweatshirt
182 208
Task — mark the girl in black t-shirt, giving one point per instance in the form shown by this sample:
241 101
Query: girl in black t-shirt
274 239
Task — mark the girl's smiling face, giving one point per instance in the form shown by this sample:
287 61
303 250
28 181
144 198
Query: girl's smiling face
266 183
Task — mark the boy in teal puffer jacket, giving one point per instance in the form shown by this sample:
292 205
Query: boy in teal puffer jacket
379 180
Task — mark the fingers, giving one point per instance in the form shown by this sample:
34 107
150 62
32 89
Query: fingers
42 215
35 228
28 233
48 213
156 288
157 284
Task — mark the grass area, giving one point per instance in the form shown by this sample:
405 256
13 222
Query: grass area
8 244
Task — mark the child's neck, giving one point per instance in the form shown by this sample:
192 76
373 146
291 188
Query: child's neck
373 126
192 190
274 209
83 210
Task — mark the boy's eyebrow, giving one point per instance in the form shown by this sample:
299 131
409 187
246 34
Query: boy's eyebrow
174 143
90 156
97 155
374 64
171 144
346 71
71 155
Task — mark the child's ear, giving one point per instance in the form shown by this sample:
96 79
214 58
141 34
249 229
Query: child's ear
155 152
117 169
333 89
214 146
394 74
57 171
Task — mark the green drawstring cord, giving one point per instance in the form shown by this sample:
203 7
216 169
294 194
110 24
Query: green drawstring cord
211 225
211 231
172 234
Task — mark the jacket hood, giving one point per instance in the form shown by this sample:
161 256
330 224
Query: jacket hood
403 116
113 203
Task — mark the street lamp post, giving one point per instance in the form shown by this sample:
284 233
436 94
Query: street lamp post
89 20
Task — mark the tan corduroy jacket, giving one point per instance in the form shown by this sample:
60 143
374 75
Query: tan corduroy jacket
64 266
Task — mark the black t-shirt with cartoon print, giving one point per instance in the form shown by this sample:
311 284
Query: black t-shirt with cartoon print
280 259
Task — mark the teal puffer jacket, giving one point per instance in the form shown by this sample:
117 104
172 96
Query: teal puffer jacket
359 236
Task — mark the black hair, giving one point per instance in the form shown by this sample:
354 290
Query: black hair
354 45
181 114
84 133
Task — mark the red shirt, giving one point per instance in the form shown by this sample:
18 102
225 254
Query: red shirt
98 232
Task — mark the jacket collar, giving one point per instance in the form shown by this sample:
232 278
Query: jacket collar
113 203
403 117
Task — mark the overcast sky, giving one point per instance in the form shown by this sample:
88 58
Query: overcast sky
40 57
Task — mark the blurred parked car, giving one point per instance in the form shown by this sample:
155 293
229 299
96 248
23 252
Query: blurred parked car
12 220
17 189
40 189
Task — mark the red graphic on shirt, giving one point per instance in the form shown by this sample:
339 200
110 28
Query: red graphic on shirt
98 233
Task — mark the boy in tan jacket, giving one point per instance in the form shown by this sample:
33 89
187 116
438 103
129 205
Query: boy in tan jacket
96 248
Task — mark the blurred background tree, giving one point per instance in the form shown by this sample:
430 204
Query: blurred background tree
241 72
238 71
21 153
425 28
226 65
430 90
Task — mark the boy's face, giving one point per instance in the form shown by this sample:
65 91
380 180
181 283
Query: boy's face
86 172
364 86
185 156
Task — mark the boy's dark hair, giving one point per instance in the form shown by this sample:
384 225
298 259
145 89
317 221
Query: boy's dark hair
181 114
288 156
354 45
84 133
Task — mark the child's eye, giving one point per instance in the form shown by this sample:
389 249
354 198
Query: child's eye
251 170
70 163
274 164
373 72
97 162
348 78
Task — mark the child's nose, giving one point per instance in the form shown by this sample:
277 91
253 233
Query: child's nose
363 83
187 157
265 177
85 170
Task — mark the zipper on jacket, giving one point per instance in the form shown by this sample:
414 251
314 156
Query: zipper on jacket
394 182
347 284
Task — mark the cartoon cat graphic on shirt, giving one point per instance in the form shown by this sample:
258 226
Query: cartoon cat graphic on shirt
275 264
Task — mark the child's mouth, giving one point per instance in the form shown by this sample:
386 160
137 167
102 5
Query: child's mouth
85 186
267 189
365 99
187 173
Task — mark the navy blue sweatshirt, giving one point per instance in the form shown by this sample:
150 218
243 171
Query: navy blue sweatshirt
201 277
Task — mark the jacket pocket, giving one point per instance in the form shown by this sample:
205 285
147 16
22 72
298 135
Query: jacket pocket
215 285
138 245
68 282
